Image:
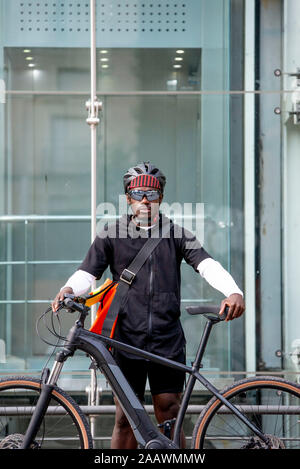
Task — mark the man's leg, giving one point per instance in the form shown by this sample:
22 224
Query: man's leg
166 407
135 372
122 437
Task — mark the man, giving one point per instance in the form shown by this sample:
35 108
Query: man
150 317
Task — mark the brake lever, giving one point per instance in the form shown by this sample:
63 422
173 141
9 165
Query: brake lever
61 306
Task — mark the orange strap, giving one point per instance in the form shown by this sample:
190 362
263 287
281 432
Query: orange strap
104 297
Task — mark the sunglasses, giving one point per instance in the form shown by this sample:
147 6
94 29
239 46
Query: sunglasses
138 194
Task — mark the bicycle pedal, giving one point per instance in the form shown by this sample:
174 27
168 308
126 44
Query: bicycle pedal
167 427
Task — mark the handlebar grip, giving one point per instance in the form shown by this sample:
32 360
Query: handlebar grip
68 302
74 306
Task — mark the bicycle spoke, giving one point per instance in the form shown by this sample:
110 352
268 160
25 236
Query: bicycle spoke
224 430
61 427
270 405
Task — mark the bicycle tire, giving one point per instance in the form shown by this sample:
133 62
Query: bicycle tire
18 396
267 401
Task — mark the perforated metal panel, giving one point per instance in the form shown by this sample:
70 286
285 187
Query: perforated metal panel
120 23
152 17
43 17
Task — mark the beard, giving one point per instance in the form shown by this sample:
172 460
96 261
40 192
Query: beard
146 214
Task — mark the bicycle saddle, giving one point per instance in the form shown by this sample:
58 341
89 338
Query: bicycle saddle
207 311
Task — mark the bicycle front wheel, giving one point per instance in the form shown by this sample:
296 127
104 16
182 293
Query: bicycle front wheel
271 404
63 426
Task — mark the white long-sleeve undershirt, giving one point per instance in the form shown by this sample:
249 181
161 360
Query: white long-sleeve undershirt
211 270
80 282
215 274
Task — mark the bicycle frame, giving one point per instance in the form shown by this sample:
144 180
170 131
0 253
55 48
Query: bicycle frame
146 433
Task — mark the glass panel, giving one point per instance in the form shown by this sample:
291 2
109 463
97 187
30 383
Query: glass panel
139 37
118 70
46 126
54 240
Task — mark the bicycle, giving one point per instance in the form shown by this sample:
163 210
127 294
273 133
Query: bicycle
258 413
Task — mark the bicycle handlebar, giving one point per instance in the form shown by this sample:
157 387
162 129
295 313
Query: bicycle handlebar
71 305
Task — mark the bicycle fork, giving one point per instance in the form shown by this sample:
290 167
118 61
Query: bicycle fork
48 382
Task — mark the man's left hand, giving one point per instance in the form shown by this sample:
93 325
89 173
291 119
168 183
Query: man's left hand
236 306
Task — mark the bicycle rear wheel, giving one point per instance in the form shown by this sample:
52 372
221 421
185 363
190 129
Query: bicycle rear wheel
271 404
64 425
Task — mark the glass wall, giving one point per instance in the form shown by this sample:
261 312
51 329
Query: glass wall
206 89
165 92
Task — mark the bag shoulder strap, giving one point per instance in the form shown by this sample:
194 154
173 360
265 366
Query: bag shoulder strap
129 274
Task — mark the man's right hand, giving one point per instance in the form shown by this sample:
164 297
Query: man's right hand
60 297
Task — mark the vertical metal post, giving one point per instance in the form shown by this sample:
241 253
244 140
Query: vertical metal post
93 106
249 188
93 121
26 316
7 150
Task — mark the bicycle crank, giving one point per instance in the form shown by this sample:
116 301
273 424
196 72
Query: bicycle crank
256 443
15 441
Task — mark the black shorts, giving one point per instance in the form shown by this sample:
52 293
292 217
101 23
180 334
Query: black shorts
162 379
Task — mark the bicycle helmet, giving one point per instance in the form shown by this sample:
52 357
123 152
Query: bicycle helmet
156 177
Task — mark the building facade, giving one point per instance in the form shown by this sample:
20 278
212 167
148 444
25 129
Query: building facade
209 90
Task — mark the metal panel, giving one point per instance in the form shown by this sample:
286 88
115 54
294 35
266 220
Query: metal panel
268 274
119 24
291 186
249 181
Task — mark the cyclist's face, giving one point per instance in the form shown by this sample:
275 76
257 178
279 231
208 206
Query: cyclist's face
144 209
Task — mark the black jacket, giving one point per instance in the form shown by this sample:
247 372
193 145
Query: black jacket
150 319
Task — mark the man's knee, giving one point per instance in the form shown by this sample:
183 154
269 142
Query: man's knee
166 405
